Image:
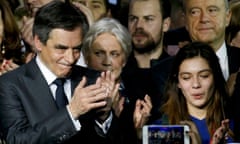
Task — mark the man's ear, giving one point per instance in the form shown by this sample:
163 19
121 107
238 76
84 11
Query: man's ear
38 43
228 17
166 24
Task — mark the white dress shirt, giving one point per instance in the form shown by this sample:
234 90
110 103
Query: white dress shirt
223 60
50 77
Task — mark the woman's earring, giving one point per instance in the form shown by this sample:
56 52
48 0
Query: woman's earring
3 49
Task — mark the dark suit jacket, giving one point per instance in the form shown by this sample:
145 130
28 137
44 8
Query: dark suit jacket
235 110
234 66
29 115
233 58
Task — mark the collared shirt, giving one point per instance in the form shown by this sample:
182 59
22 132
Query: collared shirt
50 77
223 60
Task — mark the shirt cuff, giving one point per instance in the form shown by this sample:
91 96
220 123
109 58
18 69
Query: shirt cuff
76 123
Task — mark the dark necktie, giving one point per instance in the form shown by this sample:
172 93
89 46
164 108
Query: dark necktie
61 98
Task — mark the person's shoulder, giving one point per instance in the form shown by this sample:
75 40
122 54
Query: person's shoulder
13 76
233 54
237 78
233 49
15 72
160 72
29 69
164 64
131 62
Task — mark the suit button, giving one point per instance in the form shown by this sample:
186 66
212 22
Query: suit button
63 137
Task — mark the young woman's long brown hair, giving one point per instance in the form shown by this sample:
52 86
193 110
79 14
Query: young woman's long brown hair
175 105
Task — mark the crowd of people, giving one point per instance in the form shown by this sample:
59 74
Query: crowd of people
97 71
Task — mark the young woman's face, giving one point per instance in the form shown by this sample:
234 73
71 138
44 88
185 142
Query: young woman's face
196 82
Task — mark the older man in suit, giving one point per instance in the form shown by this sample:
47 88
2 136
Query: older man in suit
29 97
206 21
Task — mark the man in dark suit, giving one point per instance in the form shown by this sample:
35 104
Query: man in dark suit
28 108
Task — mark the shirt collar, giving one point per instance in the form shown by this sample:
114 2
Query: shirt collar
222 52
47 73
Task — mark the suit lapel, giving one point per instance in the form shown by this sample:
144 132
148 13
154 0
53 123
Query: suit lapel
38 88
